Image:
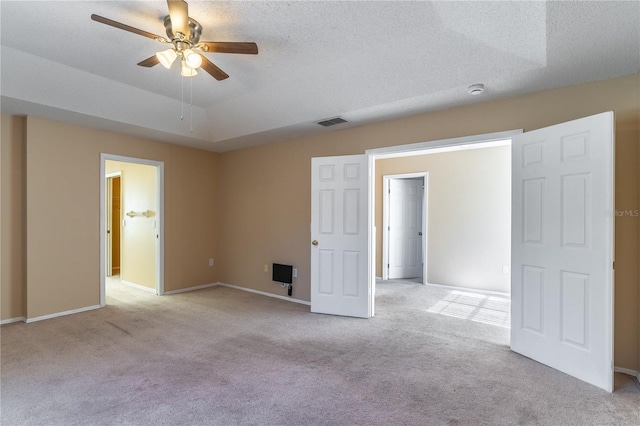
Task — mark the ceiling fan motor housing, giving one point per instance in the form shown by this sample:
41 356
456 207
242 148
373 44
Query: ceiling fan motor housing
195 30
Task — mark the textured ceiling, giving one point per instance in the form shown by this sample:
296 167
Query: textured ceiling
362 60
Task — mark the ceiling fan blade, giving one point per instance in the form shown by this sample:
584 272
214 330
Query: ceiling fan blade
179 13
248 48
116 24
149 62
215 72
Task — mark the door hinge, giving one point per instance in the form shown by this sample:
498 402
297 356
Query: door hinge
387 266
388 228
389 190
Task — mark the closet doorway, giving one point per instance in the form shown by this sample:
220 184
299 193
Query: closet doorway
113 223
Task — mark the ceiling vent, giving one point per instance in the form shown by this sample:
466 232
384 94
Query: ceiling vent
331 121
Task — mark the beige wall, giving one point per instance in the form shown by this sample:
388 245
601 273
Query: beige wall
62 226
12 223
250 207
139 232
469 215
266 196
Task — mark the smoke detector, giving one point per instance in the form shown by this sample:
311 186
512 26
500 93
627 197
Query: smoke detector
475 89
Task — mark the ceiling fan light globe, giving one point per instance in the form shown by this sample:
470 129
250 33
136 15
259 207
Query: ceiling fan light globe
166 57
193 59
187 71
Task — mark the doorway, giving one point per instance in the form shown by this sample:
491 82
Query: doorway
466 215
561 248
113 223
140 221
404 226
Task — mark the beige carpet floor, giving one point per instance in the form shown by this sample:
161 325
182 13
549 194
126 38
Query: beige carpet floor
221 356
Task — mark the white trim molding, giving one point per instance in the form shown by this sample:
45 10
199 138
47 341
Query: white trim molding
237 287
138 286
628 371
61 314
472 290
466 142
12 320
184 290
264 293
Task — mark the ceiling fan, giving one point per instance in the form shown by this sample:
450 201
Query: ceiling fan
183 34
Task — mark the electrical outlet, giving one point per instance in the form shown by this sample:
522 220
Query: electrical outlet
266 268
211 261
295 272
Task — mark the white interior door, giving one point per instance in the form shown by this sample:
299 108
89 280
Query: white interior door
562 247
340 282
405 228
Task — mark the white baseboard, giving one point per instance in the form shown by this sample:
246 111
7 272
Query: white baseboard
184 290
474 290
236 287
138 286
10 320
264 293
628 371
60 314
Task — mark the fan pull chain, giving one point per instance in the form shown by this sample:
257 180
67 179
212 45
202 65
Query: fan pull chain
191 102
182 99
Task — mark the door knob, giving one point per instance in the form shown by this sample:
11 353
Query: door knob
314 242
420 233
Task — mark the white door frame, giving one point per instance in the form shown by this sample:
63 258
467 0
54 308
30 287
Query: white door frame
385 219
160 224
444 145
